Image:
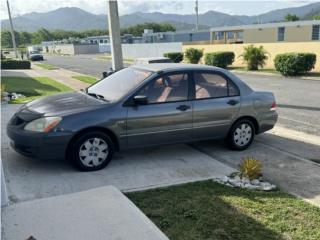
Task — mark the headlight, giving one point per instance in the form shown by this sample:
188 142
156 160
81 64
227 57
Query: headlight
43 124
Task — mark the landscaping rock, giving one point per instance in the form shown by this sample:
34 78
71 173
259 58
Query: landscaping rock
236 181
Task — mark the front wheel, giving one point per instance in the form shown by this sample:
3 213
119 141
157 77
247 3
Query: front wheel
92 151
241 134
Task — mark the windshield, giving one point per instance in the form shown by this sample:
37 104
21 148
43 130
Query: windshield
117 85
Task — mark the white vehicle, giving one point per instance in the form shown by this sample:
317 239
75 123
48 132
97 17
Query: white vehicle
142 61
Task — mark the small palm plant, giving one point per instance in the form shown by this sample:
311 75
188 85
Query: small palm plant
250 168
255 57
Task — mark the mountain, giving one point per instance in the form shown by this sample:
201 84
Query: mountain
77 19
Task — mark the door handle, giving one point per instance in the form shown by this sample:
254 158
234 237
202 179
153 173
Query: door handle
233 102
183 107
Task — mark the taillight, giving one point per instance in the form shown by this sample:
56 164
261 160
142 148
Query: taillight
273 106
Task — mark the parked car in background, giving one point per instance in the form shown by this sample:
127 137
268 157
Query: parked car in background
34 56
141 106
142 61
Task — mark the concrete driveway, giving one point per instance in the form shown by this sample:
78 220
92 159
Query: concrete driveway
29 179
289 160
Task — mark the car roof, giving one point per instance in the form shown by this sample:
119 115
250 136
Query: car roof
157 67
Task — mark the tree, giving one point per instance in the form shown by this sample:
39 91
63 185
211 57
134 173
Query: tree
6 39
291 17
255 57
316 17
25 38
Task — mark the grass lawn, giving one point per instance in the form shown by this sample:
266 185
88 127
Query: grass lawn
32 88
208 210
86 79
46 66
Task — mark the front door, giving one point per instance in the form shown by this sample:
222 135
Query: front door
167 117
215 106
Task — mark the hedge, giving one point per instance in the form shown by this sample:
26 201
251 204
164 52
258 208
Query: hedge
193 55
219 59
291 64
15 64
174 56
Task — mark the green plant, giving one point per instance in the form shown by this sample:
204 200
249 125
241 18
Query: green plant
291 64
291 18
193 55
255 57
174 56
219 59
250 168
15 64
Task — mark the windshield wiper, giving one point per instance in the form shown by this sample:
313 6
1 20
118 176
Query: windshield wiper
98 96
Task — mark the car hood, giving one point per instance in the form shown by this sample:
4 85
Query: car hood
62 104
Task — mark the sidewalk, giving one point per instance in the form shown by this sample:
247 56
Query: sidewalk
60 75
97 214
275 75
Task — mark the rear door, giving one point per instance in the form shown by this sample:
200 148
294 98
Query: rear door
167 117
216 104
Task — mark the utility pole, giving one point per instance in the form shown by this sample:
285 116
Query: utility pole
12 32
114 32
197 16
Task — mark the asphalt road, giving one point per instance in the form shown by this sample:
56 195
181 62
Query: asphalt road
298 100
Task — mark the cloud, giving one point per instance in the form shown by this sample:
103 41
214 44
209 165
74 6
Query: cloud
19 7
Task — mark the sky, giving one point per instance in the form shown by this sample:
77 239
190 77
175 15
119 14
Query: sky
237 7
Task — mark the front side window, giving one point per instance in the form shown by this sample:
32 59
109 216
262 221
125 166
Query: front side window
210 85
117 85
316 32
281 31
167 88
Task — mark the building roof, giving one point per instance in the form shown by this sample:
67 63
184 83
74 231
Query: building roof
266 25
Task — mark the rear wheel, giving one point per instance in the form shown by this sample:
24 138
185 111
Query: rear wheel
91 151
241 134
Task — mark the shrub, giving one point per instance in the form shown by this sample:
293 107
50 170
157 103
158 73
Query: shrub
174 56
193 55
219 59
15 64
294 63
250 168
254 57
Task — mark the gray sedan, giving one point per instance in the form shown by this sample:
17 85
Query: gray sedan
142 106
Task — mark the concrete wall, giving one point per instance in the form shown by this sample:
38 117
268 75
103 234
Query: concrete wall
84 49
265 35
272 48
260 35
149 49
105 48
72 49
60 48
298 34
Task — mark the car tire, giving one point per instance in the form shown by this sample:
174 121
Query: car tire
241 135
91 151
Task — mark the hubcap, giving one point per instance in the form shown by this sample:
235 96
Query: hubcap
242 134
93 152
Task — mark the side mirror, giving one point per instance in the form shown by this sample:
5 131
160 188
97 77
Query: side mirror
140 100
104 74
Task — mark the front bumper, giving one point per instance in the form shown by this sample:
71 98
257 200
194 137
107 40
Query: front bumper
51 145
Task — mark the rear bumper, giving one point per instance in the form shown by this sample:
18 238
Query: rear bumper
39 145
268 121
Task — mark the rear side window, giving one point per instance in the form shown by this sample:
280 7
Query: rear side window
210 85
233 89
